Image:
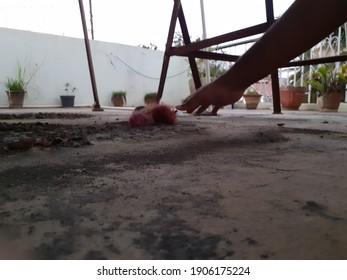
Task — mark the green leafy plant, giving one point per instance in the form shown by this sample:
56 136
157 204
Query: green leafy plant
327 79
150 95
15 85
69 89
120 94
251 91
18 84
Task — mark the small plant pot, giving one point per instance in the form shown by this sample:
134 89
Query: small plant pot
292 97
329 102
67 100
252 101
118 101
151 101
15 99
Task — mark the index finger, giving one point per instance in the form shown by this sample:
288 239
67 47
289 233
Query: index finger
190 103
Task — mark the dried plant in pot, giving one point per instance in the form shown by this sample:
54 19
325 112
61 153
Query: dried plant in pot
119 98
252 98
329 83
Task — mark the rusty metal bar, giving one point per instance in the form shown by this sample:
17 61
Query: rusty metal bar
166 60
276 99
187 41
233 58
91 19
96 105
213 56
238 43
315 61
276 92
270 16
239 34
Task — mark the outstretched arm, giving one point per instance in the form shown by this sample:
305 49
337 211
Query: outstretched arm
302 26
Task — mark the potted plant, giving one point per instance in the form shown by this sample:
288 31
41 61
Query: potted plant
68 100
150 98
292 97
329 84
252 98
16 89
119 98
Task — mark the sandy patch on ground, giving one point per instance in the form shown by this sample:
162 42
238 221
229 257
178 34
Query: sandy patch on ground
239 186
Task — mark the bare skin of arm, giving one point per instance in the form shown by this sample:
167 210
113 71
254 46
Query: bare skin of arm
302 26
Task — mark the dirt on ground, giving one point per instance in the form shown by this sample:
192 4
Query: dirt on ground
237 186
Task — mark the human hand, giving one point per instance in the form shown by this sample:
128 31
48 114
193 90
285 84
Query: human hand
215 94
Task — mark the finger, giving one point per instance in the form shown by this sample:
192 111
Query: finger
192 102
215 110
201 109
187 107
181 107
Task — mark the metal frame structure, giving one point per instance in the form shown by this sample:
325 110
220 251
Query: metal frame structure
195 50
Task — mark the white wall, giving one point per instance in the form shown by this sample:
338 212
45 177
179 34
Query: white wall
55 60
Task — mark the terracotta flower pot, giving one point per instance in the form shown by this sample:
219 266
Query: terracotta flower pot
329 102
292 97
252 100
118 101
